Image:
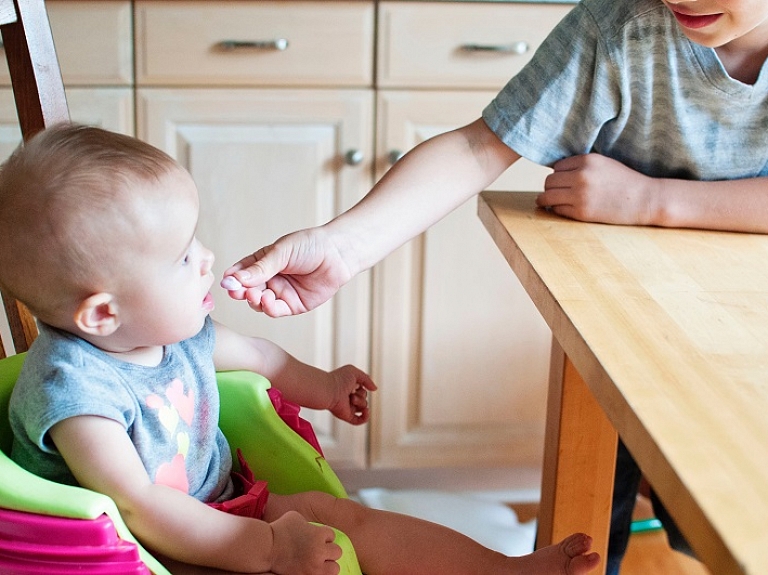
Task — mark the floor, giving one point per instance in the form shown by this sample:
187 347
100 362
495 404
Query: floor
648 553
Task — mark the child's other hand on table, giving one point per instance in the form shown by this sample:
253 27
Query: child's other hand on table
594 188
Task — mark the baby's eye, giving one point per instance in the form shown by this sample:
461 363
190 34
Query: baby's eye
186 260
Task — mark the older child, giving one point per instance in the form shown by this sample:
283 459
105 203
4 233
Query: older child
650 112
117 394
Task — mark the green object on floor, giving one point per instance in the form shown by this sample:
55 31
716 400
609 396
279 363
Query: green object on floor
645 525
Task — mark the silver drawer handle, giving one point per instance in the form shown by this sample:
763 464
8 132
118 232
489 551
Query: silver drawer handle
278 44
513 48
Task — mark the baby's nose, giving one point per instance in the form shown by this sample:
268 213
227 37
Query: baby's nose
207 261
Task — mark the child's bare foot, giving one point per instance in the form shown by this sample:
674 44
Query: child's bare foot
569 557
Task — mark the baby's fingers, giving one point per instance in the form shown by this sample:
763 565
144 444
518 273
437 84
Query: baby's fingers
359 399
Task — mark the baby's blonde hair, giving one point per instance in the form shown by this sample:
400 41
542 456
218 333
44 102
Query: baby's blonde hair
66 196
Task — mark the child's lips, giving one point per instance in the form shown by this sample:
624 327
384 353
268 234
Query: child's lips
208 303
695 21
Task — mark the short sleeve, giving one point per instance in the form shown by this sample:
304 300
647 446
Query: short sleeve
56 383
556 106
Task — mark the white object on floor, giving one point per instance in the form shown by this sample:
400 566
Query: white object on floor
490 523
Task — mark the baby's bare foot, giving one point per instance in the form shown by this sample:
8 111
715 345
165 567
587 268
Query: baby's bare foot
569 557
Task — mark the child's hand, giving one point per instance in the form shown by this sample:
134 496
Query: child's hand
301 548
352 386
296 274
594 188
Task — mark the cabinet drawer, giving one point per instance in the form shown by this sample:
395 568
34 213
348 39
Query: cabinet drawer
255 43
456 44
93 41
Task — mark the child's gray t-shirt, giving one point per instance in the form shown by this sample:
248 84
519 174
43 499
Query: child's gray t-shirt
170 412
619 78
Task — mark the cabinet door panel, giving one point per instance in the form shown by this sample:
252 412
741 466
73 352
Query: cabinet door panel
462 355
268 162
109 108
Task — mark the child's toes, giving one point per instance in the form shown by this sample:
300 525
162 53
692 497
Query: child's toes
576 544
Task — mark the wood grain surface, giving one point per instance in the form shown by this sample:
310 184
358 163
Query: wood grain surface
669 329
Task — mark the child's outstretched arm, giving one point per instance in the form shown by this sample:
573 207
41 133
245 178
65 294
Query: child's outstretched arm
342 391
595 188
302 270
101 456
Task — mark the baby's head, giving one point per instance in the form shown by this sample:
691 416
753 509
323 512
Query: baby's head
80 210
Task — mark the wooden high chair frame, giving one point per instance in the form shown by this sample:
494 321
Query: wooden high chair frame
38 90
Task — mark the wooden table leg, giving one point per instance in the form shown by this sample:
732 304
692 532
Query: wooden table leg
579 461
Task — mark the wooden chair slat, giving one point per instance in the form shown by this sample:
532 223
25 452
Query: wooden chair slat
40 102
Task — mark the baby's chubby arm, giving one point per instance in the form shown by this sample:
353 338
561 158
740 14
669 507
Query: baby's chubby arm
596 188
102 458
342 391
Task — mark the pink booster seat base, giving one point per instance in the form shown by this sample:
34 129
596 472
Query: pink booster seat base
32 544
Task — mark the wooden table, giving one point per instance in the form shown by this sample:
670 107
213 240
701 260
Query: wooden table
661 335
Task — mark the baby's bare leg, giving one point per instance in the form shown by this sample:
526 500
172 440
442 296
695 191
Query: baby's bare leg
393 544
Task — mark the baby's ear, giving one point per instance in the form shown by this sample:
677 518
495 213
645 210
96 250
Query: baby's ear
98 315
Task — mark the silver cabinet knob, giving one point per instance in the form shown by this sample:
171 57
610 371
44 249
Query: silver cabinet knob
354 157
394 156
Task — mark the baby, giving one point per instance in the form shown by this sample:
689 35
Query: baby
97 238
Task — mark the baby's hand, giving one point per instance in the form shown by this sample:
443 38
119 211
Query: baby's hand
301 548
352 386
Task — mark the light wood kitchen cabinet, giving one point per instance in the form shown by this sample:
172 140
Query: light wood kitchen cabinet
97 73
460 353
269 160
254 43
